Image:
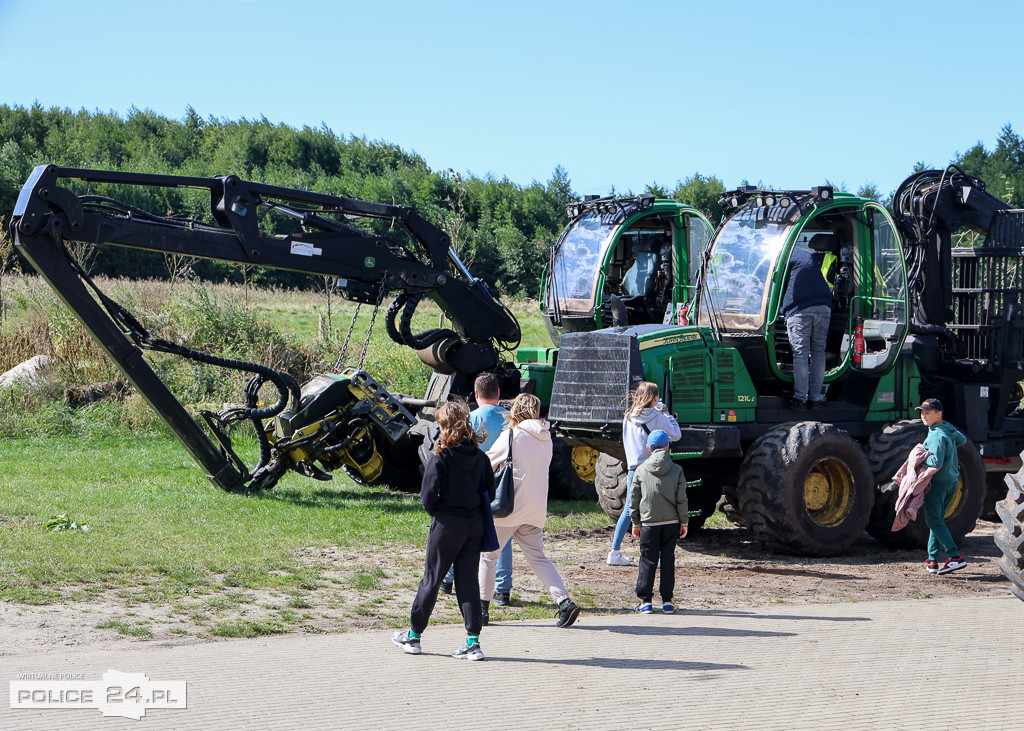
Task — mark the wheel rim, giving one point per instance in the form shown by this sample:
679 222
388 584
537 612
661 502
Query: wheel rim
584 463
828 492
958 497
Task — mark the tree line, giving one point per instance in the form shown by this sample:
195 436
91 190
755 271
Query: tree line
503 230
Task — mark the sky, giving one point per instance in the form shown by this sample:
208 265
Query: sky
620 94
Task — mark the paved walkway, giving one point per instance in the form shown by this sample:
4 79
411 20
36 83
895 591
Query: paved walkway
933 664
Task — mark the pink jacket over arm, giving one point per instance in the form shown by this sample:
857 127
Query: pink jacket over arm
914 480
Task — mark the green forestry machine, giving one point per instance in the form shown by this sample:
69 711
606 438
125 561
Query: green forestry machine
620 261
628 299
913 317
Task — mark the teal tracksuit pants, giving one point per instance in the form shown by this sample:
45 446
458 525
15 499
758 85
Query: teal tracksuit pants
940 540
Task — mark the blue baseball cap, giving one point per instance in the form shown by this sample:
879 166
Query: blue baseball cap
658 439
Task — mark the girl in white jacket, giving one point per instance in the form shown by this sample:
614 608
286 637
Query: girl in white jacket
531 455
646 413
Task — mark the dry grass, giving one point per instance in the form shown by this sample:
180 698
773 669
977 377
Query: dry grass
303 333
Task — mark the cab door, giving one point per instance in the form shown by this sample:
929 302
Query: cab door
693 233
698 233
880 304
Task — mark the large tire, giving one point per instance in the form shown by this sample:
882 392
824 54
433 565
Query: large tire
805 488
961 515
572 473
995 484
610 483
729 505
1010 537
887 451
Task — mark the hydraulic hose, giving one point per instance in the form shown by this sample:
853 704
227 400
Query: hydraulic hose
403 334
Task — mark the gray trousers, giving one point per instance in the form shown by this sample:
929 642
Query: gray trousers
531 542
807 332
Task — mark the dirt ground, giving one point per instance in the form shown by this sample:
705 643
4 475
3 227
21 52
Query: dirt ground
722 567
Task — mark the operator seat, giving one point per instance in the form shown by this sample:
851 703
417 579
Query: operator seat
639 281
823 243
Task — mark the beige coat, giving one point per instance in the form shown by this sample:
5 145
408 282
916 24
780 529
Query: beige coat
531 457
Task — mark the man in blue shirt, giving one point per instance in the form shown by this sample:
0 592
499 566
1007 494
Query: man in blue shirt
489 418
488 415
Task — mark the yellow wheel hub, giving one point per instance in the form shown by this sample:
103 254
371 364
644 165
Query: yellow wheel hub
584 463
815 492
828 492
958 497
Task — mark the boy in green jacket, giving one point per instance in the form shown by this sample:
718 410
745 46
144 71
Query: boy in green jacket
942 442
659 512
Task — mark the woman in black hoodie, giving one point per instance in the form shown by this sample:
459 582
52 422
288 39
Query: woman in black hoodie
456 492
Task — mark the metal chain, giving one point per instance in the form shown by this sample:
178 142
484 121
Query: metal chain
373 319
348 336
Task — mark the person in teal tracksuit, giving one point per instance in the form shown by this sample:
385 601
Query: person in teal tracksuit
942 442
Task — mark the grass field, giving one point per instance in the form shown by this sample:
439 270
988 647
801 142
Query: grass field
151 529
137 519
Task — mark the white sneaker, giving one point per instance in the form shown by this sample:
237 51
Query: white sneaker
615 558
469 652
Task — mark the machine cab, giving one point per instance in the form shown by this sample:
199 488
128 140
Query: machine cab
855 244
622 261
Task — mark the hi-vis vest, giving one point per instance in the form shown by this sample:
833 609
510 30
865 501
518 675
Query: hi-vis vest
828 269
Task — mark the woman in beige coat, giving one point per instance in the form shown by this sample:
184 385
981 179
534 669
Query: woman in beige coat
531 456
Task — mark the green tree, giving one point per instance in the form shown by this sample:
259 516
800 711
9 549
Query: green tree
869 190
701 192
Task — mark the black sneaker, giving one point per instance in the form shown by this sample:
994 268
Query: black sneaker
469 652
411 645
446 587
567 613
797 404
812 405
502 599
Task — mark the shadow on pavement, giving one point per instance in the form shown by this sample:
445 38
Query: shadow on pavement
624 663
635 629
717 613
755 615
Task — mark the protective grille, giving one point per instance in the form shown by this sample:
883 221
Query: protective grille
987 284
725 378
593 376
688 379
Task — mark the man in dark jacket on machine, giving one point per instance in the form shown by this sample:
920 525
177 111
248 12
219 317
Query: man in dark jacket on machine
807 307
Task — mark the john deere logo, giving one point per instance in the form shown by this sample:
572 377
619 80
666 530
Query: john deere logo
369 262
687 338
